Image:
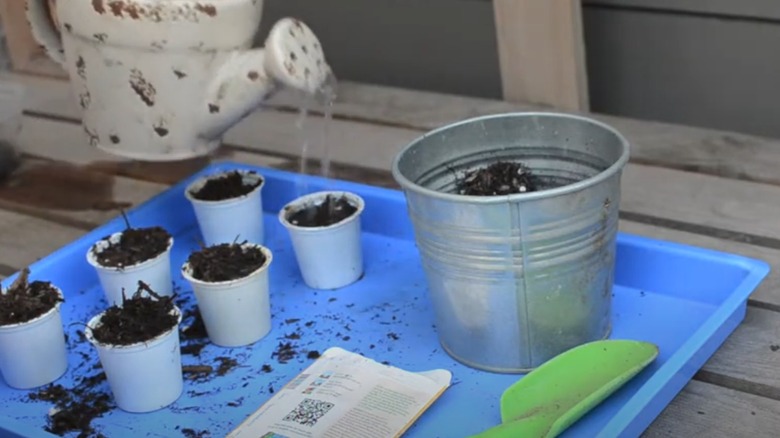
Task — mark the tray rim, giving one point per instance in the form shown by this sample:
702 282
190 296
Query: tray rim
626 418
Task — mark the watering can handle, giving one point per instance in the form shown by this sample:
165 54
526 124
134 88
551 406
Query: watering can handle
42 16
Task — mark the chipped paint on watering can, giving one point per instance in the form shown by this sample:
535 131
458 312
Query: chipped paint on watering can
516 280
164 80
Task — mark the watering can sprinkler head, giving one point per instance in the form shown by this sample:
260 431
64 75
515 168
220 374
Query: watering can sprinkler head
294 56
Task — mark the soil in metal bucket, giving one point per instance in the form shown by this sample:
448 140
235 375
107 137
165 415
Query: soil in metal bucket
24 301
225 262
141 318
135 245
331 211
500 178
227 186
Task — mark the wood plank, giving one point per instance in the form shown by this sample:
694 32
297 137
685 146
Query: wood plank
715 152
705 200
27 239
65 142
705 410
748 360
6 271
44 138
680 196
70 194
542 52
348 142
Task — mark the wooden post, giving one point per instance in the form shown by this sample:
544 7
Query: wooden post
27 56
542 52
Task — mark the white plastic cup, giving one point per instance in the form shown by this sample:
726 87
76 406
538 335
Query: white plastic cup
237 312
146 376
328 257
34 353
155 272
230 220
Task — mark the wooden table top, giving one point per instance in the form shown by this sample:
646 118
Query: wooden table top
703 187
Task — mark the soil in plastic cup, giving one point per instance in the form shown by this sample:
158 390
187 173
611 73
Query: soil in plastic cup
237 312
231 220
146 376
328 257
34 353
156 273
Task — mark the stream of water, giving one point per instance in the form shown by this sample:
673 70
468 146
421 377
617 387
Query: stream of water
313 131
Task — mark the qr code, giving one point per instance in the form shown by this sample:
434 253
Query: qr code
308 412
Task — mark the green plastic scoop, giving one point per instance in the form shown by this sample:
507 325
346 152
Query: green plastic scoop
559 392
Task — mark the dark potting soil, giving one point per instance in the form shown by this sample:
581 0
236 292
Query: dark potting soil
75 408
136 245
332 210
192 433
227 186
226 364
139 319
225 262
284 352
194 338
501 178
202 372
24 301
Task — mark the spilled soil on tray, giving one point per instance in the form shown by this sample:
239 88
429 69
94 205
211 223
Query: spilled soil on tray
135 245
24 301
331 211
75 408
230 185
497 179
225 262
203 372
194 338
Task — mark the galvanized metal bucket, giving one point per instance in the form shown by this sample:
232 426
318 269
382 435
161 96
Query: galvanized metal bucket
517 279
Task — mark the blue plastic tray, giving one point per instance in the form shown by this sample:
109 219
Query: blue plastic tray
687 300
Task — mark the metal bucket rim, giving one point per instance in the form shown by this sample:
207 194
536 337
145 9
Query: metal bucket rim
616 167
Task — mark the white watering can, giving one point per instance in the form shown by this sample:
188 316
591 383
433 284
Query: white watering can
162 80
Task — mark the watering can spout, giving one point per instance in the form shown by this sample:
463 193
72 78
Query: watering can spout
291 58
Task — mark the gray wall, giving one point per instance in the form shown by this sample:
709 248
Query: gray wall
711 69
711 63
439 45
